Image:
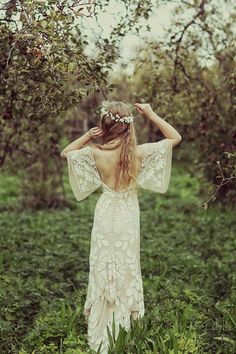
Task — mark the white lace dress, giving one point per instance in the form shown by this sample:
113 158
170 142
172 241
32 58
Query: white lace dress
115 281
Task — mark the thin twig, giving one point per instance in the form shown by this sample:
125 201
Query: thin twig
178 42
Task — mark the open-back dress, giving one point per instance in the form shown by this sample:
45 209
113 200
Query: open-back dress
115 281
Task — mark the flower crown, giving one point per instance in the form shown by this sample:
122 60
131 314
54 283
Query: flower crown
117 117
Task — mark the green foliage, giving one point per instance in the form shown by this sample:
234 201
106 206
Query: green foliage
189 79
46 73
43 73
187 258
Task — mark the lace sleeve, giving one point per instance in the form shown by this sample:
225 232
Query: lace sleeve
155 169
83 176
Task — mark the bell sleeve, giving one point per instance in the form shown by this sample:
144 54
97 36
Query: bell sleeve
155 169
83 175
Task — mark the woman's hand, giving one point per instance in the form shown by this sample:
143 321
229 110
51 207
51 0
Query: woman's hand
94 133
144 108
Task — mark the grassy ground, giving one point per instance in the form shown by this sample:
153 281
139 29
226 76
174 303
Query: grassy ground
187 258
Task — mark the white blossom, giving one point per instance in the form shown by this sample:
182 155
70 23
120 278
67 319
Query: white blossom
117 117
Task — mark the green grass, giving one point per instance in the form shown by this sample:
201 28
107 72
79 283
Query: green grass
188 266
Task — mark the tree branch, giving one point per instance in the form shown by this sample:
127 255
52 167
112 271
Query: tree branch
178 42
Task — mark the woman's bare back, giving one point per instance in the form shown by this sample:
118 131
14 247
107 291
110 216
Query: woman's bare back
106 162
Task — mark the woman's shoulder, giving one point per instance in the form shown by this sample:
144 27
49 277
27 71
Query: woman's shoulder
96 147
141 148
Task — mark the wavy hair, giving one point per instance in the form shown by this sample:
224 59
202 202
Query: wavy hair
127 167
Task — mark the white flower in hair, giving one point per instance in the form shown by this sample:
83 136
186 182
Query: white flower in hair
116 117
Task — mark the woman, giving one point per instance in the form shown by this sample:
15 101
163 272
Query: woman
119 166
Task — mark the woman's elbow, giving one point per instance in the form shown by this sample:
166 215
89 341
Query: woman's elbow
63 154
176 141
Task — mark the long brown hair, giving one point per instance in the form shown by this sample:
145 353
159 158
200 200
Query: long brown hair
127 168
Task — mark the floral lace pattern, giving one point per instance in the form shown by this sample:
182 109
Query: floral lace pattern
115 282
84 178
155 168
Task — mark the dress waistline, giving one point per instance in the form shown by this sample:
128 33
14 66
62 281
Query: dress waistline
107 189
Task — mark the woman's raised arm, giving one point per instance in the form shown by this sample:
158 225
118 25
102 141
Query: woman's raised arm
83 140
167 130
